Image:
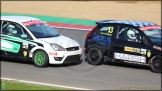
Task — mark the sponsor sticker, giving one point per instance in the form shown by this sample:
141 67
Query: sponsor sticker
129 57
25 53
148 53
53 53
131 49
137 50
157 47
9 46
25 45
6 44
102 39
143 51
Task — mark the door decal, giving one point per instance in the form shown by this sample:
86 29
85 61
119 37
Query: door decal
130 57
102 39
10 46
131 49
18 39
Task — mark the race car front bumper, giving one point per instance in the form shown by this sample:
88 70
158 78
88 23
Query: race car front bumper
72 59
60 57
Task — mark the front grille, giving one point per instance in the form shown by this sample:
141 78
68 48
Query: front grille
72 59
72 48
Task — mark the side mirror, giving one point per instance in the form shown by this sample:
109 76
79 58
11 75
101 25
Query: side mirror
24 36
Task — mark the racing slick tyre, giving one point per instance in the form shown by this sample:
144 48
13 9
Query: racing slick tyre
40 59
155 64
95 56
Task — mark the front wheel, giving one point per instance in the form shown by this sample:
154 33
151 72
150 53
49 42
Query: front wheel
95 56
155 64
40 58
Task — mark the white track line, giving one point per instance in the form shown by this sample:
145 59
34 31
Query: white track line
68 87
72 28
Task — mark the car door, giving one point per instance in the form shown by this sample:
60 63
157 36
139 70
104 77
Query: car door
14 40
129 45
105 37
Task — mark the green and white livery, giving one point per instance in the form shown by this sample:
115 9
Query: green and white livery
9 46
30 38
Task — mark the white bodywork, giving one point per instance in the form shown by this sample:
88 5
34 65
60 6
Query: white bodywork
63 41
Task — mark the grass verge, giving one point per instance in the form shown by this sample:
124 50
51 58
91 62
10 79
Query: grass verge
14 85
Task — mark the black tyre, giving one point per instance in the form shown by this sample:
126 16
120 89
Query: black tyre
155 64
95 56
40 59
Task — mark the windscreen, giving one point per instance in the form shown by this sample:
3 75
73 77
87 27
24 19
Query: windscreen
153 32
40 29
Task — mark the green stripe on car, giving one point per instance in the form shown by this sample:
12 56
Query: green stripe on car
9 46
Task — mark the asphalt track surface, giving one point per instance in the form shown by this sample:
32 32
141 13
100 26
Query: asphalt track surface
83 75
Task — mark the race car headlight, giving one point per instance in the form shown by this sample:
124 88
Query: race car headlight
57 47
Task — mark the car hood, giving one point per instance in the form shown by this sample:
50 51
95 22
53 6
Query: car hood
61 40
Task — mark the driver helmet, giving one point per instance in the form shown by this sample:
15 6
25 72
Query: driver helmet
11 29
131 34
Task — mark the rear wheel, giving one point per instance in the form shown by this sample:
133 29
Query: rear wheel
95 56
40 58
155 64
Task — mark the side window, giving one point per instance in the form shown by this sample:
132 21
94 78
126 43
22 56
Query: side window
14 29
107 30
129 34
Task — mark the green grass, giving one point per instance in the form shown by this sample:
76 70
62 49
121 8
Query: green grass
14 85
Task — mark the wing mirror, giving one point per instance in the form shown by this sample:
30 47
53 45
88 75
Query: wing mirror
24 36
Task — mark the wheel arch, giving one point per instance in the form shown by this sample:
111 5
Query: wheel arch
100 48
152 56
33 50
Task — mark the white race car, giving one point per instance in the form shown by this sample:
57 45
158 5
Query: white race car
30 38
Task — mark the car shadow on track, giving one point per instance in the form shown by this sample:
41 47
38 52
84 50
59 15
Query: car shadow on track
123 65
31 63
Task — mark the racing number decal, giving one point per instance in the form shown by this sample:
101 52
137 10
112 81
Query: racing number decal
110 30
